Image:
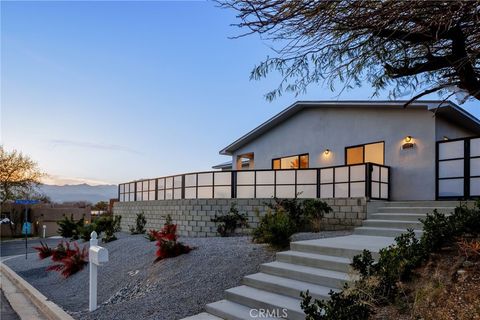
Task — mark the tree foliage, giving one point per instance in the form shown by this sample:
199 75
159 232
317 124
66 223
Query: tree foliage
404 45
18 175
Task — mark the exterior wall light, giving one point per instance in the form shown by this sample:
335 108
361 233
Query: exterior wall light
326 152
408 143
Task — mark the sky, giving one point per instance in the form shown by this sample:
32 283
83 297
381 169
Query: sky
108 92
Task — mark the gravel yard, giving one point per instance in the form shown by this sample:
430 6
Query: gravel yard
131 286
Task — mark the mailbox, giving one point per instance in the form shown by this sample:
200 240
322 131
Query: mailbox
98 255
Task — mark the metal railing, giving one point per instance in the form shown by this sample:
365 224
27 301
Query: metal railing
361 180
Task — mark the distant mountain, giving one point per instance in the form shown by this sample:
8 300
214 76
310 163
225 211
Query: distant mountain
79 192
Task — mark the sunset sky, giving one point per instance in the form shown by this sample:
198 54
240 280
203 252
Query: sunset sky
106 92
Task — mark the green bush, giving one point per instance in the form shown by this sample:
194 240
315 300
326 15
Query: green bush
275 228
286 217
440 230
227 223
314 210
140 223
85 231
68 228
344 305
396 263
108 225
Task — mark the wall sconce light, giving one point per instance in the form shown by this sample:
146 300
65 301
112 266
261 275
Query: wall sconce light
408 143
445 138
326 152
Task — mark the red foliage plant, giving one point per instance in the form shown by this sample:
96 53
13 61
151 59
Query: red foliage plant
62 251
72 261
167 243
44 251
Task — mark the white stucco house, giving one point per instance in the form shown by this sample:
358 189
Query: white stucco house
317 134
376 150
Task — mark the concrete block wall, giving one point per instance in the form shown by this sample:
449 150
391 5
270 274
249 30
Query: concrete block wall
193 216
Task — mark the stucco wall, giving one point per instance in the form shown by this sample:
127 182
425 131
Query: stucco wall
194 216
443 128
314 130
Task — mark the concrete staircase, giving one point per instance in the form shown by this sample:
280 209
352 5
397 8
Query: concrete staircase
317 265
390 219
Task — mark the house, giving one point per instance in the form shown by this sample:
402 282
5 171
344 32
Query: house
346 152
316 134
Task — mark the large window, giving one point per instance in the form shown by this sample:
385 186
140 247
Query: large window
370 152
292 162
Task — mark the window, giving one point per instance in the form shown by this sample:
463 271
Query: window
370 152
292 162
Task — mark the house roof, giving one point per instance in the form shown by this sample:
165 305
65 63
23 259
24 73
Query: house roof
445 109
228 164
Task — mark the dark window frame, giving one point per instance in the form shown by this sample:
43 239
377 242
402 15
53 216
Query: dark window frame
363 152
293 155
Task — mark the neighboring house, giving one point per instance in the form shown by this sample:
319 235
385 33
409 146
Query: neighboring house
316 134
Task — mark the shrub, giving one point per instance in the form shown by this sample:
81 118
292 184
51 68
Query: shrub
227 223
44 251
293 208
469 248
287 216
108 225
140 223
73 261
440 230
68 228
61 251
314 210
396 263
168 246
275 228
85 231
342 305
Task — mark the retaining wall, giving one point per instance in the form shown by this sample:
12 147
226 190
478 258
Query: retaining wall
193 216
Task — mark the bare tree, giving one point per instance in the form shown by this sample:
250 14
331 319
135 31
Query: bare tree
433 45
18 175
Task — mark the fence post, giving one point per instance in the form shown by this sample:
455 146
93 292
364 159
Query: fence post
234 184
368 180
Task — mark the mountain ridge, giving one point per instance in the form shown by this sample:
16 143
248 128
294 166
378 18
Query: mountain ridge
79 192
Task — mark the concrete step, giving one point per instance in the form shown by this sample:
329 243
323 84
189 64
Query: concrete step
396 224
346 247
230 310
203 316
286 286
383 232
260 299
417 210
323 277
431 204
315 260
398 216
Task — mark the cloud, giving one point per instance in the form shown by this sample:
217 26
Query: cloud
62 180
91 145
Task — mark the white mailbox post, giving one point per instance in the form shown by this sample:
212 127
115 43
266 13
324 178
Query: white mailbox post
96 256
